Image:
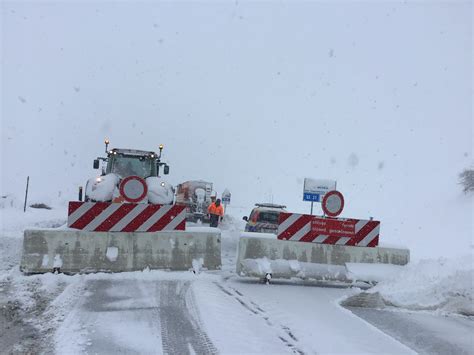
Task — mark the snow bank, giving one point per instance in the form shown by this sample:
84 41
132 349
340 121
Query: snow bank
10 201
16 202
442 285
373 272
230 223
13 221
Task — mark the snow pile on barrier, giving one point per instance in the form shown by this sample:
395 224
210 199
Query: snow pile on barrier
281 268
442 285
159 191
102 188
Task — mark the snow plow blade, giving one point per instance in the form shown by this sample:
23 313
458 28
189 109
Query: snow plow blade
76 251
264 257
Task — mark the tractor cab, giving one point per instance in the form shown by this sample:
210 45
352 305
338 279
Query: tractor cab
128 162
120 167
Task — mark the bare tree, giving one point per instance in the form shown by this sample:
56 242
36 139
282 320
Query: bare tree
467 180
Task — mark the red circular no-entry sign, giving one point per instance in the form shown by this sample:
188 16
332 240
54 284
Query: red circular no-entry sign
333 203
133 189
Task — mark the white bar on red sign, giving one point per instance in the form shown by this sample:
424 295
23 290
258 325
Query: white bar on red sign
125 217
341 231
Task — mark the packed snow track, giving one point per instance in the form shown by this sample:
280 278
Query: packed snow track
181 330
134 316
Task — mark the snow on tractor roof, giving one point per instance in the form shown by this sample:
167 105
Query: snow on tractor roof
135 152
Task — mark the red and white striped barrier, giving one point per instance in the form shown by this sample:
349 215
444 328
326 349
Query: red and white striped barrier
125 217
307 228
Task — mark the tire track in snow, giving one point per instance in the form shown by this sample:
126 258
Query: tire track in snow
181 331
286 336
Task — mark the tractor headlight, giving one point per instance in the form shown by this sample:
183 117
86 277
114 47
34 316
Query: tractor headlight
162 184
98 179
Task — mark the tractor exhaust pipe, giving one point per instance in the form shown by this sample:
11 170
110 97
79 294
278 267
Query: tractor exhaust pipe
80 193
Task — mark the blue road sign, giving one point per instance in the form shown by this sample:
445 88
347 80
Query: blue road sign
311 197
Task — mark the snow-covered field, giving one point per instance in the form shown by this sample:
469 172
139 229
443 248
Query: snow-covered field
210 312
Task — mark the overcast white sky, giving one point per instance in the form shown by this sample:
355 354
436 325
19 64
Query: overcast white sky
253 96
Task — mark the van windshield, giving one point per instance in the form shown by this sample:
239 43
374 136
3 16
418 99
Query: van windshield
269 217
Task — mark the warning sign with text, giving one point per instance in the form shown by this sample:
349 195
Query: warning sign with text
333 227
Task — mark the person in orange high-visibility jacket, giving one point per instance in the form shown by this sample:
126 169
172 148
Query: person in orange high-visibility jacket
216 211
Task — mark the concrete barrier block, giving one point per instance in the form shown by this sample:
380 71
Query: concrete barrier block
271 255
75 251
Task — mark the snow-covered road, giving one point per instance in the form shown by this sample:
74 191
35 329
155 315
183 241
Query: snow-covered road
153 312
158 313
136 316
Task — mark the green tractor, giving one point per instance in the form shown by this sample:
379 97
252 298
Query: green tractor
124 163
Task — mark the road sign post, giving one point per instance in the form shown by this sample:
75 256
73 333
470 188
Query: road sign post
226 198
26 193
314 190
